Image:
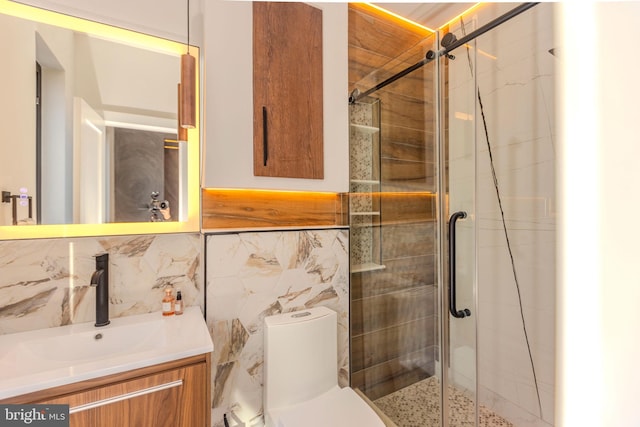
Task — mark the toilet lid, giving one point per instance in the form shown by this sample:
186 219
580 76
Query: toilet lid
339 407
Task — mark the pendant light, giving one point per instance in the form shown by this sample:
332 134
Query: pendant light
187 88
183 133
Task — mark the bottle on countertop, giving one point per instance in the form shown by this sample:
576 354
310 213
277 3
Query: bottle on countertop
168 303
179 307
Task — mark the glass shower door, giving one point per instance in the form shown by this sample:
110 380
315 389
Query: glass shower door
394 239
412 168
457 232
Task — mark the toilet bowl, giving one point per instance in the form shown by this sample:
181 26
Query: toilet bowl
301 374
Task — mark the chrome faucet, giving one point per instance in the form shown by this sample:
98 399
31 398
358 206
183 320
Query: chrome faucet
100 279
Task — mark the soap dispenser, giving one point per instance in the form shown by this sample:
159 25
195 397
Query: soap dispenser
178 305
168 303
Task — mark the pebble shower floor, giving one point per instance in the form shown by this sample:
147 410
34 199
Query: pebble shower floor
418 405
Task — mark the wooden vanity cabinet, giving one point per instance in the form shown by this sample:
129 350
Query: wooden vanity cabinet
173 394
287 90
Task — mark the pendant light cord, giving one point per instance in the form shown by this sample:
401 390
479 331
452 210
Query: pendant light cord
188 26
506 233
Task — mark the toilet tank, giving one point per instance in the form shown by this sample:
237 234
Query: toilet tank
300 356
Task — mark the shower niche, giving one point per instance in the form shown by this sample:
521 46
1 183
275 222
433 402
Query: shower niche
364 186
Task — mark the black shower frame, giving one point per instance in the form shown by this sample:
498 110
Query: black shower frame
431 55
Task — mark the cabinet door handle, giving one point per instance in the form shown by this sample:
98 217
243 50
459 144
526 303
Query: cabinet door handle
460 314
265 137
114 399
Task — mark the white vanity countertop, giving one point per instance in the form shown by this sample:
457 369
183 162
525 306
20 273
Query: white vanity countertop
45 358
272 228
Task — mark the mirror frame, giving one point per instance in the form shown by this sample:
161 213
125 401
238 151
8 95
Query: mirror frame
192 223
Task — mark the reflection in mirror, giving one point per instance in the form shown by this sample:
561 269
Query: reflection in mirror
89 121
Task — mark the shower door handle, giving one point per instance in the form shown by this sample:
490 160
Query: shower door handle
460 314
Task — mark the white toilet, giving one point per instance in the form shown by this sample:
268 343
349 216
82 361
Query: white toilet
301 374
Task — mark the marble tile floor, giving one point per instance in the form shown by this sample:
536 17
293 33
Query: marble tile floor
418 405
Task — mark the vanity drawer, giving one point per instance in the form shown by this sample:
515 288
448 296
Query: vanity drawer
163 395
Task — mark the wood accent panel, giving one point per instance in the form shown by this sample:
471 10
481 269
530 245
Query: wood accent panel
387 377
287 90
414 85
393 318
379 47
407 207
225 208
403 119
361 63
256 208
409 152
406 240
401 110
399 170
374 31
374 40
370 314
417 137
392 342
400 274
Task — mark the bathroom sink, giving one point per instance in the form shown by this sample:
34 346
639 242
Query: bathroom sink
95 344
35 360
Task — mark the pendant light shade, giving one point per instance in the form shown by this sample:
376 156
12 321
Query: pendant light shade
183 133
187 108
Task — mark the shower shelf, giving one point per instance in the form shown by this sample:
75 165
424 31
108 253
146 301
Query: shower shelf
366 225
365 217
365 129
373 213
369 266
365 181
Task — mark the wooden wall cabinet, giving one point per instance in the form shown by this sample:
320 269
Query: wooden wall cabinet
287 90
173 394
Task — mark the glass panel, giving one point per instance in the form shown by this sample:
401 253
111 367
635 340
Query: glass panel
393 230
516 215
459 140
422 184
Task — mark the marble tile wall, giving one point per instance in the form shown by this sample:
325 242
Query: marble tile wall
255 274
44 283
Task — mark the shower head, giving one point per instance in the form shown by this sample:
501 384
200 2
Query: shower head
448 39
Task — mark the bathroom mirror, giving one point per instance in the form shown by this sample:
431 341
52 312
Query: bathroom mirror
88 121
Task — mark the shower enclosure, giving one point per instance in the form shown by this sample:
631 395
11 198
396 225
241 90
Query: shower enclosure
452 217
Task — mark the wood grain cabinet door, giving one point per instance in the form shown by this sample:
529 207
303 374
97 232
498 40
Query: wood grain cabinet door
287 90
175 398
